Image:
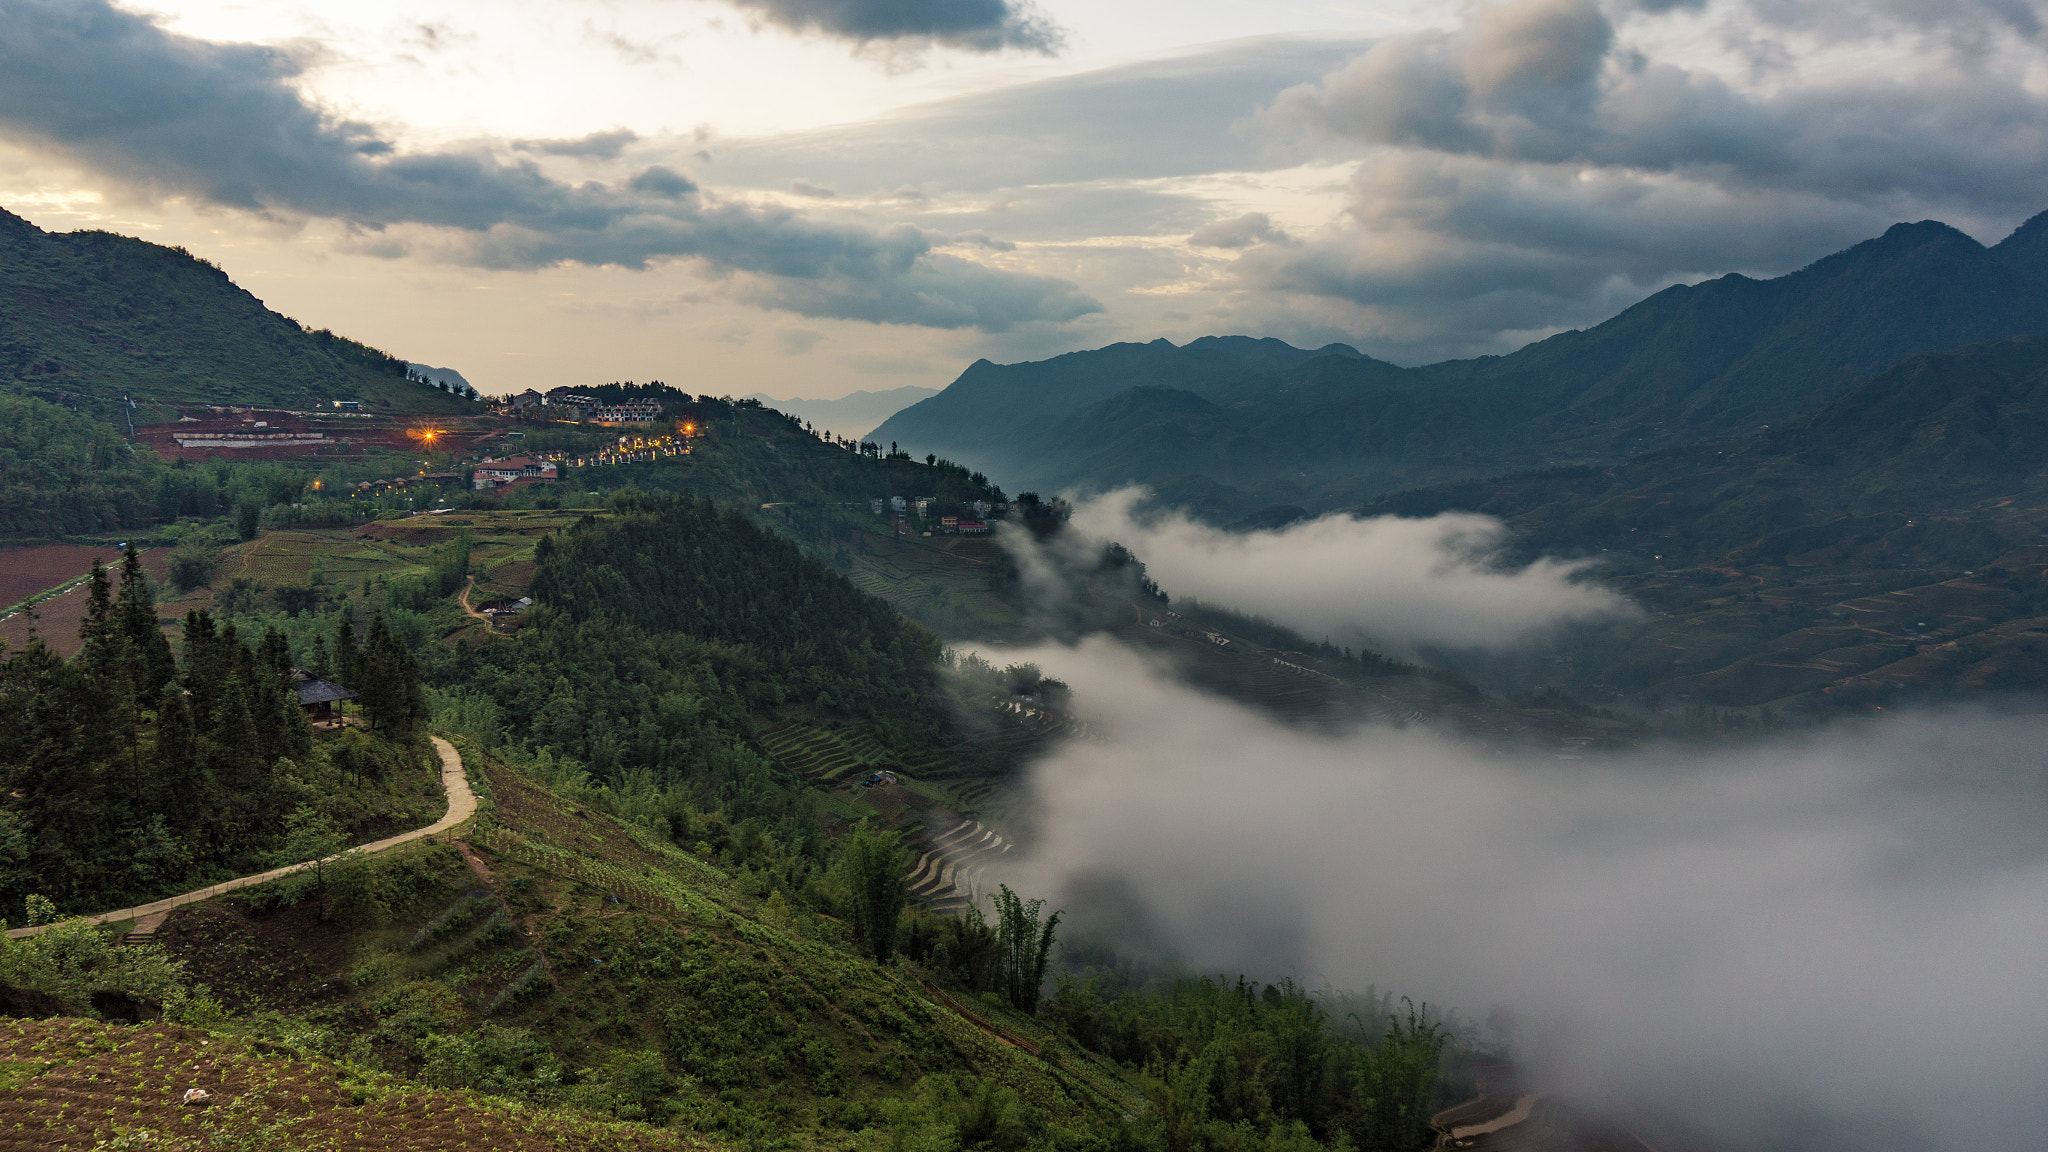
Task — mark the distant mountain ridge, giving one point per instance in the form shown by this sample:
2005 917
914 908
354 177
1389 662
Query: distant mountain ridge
1253 423
86 317
853 415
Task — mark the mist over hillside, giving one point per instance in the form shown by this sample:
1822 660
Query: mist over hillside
1820 941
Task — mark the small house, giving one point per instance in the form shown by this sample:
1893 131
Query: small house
317 698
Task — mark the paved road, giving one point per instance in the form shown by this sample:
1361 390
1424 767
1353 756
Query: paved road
461 806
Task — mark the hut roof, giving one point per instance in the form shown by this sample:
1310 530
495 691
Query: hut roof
322 691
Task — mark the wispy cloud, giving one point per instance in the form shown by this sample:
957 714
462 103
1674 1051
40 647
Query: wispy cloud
1388 582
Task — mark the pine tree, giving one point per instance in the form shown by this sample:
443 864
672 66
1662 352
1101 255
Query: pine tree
96 632
136 619
346 654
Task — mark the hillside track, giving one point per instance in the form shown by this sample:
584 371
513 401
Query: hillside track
461 806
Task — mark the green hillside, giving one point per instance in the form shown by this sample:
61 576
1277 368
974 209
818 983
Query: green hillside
1332 428
1886 544
88 317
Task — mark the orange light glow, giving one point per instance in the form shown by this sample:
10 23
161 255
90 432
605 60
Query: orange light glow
425 433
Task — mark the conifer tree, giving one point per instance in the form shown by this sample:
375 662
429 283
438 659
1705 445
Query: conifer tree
136 619
95 655
346 654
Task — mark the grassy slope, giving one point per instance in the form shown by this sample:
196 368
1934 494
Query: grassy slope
758 1015
88 316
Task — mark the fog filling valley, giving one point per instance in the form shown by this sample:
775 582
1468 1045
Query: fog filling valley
1396 584
1832 939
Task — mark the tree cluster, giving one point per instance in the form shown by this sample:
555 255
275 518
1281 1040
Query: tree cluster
1241 1065
128 771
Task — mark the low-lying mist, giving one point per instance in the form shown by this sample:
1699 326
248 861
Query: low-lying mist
1837 940
1386 582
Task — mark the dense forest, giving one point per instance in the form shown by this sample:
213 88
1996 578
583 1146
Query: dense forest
130 772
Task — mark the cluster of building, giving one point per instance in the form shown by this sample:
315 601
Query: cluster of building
499 475
586 407
899 507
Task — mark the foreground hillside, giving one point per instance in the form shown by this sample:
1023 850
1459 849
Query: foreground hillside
1231 426
87 318
80 1083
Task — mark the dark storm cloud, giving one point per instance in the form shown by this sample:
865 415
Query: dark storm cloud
174 116
975 25
1543 163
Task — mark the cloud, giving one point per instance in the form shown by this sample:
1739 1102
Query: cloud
934 291
596 146
1141 121
1386 582
815 191
1240 232
1545 160
796 341
1825 942
973 25
221 123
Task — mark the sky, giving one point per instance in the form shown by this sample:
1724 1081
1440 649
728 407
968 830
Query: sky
814 197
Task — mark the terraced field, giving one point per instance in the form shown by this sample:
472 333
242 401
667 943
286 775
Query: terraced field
820 753
945 584
952 866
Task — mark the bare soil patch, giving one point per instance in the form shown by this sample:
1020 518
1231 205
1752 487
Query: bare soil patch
27 571
57 619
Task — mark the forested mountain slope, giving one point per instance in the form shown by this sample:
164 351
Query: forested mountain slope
87 317
1888 543
1690 363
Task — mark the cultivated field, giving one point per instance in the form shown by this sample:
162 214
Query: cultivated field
27 571
57 619
69 1083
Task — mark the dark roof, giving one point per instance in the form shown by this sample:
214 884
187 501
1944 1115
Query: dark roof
323 691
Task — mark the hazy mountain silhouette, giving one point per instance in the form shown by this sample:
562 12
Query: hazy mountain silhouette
1331 427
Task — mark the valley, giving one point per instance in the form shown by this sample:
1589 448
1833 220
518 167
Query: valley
758 743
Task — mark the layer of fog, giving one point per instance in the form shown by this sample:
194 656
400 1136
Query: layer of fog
1834 940
1390 583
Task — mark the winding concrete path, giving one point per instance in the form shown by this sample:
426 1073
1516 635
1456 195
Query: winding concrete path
461 806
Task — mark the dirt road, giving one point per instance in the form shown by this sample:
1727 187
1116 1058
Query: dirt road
461 806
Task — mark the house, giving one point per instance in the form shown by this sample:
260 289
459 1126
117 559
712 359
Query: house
349 405
528 399
970 527
641 411
496 474
317 698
